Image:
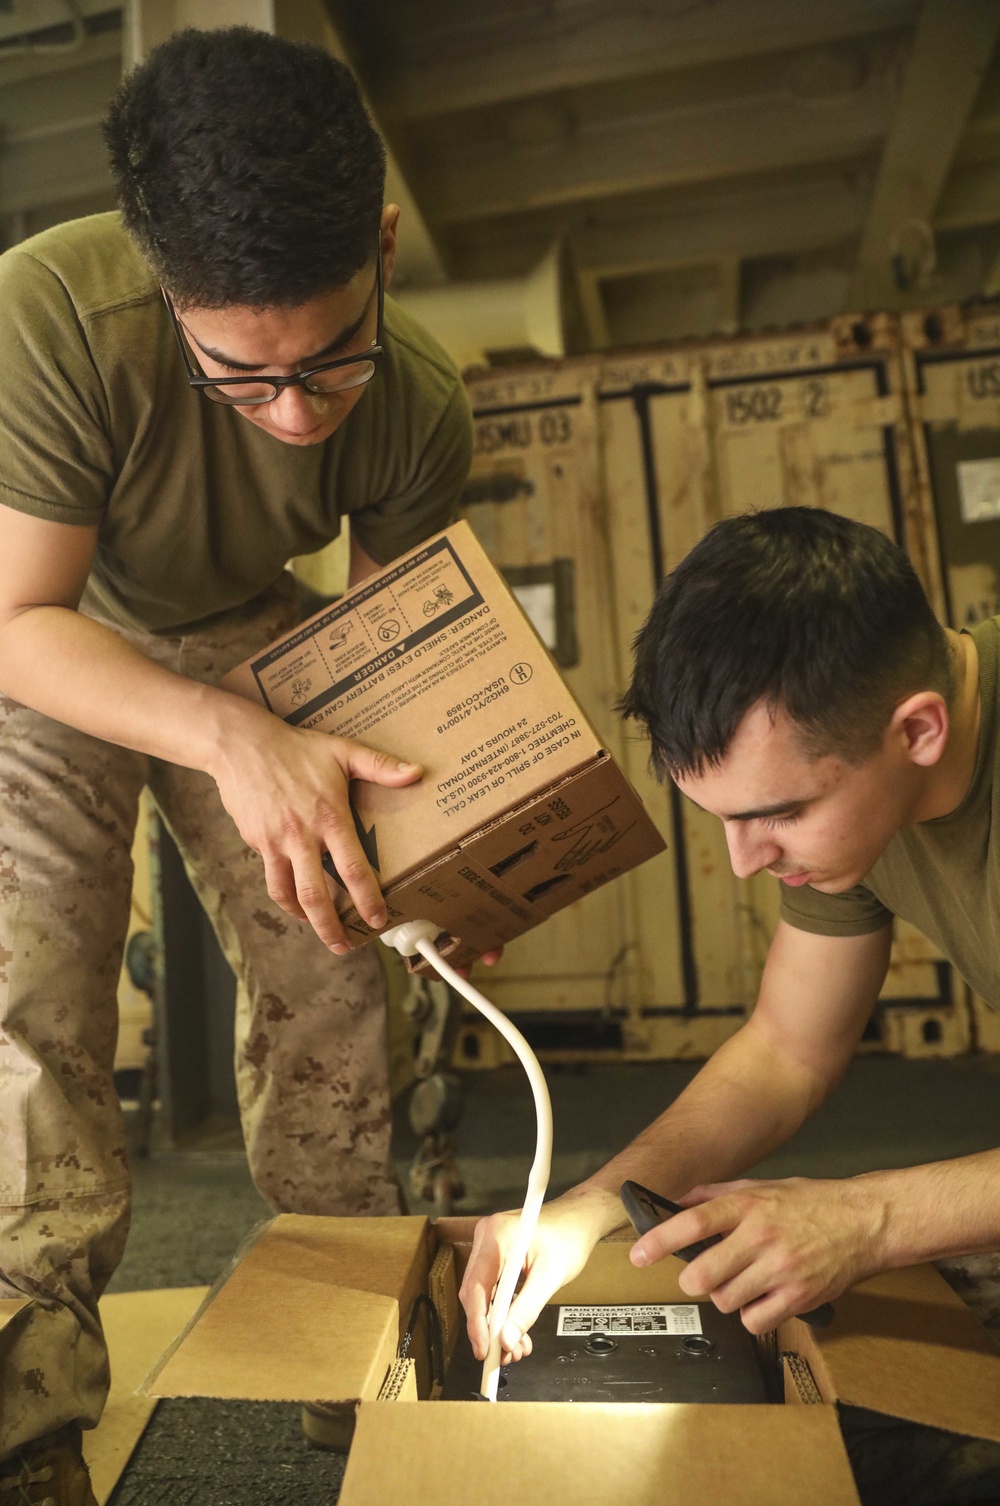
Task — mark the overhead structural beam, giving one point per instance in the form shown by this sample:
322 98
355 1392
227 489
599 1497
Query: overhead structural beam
750 219
952 48
148 22
593 43
659 150
754 222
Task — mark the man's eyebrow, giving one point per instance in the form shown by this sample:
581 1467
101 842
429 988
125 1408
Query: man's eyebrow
766 810
337 343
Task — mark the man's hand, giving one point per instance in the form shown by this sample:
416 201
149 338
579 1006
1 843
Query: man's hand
788 1245
489 959
287 791
567 1231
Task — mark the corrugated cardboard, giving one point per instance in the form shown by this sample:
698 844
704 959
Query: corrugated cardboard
310 1311
521 810
905 1343
552 1453
291 1322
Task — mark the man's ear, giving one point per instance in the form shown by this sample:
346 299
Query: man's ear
390 222
920 723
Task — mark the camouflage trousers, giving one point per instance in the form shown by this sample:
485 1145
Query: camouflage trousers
311 1057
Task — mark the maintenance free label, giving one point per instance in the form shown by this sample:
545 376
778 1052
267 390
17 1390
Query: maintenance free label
635 1320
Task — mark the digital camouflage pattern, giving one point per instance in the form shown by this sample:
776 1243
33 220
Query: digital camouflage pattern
310 1049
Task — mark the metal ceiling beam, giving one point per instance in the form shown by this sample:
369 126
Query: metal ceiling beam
752 219
825 212
658 151
951 53
515 57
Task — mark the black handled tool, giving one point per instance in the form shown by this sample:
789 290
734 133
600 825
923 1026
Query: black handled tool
647 1209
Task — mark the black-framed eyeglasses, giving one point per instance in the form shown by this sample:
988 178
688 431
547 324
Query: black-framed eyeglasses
340 375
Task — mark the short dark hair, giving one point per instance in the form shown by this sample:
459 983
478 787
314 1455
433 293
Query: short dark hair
248 171
794 607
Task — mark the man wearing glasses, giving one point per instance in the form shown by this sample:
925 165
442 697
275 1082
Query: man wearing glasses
191 395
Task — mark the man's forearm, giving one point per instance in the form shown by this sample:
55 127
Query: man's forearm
747 1099
944 1208
76 671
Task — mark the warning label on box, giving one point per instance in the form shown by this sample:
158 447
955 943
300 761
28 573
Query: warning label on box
404 612
633 1321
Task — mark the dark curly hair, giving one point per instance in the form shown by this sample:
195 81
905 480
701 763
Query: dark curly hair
247 168
794 607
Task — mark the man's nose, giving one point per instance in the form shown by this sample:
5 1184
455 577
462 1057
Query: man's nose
750 852
297 411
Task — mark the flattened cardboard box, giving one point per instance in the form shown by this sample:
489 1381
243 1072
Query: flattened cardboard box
314 1308
521 810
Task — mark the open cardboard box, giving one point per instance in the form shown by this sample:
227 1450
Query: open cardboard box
315 1308
521 809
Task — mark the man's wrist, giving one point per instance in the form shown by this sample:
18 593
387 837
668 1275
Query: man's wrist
598 1204
886 1220
225 721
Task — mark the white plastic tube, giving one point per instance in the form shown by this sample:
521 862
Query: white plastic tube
418 936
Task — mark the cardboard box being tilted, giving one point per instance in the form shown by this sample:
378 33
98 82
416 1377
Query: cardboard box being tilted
315 1308
521 810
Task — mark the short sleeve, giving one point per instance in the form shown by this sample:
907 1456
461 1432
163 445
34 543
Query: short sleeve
57 456
429 501
856 912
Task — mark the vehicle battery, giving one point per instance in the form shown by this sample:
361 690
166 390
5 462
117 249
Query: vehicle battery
681 1352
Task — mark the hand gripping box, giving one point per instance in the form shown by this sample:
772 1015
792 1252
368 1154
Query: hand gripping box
520 810
323 1309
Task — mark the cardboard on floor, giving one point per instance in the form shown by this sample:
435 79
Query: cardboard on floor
137 1326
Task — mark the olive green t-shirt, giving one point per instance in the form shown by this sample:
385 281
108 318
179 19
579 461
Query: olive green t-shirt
198 509
942 875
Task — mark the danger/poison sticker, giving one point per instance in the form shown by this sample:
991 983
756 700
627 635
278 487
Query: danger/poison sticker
635 1320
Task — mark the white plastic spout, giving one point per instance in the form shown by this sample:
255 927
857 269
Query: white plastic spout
418 937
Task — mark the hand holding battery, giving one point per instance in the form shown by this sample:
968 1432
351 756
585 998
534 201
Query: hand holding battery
745 1267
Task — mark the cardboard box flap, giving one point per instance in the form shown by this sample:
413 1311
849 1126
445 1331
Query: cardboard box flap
905 1344
426 1454
9 1309
312 1311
